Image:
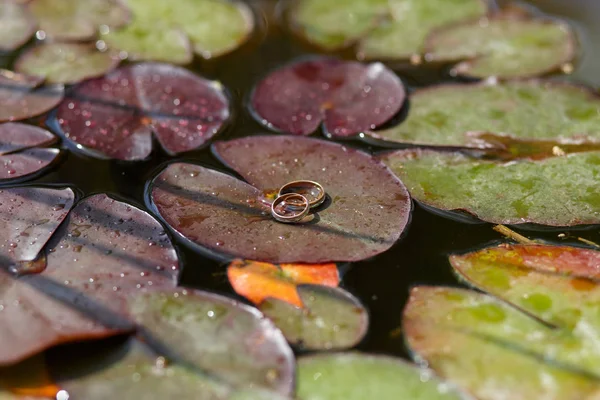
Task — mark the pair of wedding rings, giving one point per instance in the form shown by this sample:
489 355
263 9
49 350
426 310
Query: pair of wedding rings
295 200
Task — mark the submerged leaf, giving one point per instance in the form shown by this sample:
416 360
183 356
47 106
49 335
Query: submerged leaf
357 376
257 280
558 191
21 97
17 25
504 46
347 97
117 115
65 62
367 210
329 318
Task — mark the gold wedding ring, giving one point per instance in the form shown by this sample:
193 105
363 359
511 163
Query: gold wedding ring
311 190
290 208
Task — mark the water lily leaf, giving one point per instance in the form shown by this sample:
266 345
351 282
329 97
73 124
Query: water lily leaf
209 28
116 116
504 46
346 96
368 208
77 20
358 376
65 62
106 250
21 96
228 340
17 25
256 280
450 329
558 191
459 115
329 318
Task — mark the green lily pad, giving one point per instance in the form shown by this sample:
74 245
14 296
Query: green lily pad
65 62
17 25
330 319
504 46
77 20
461 115
557 191
163 31
357 376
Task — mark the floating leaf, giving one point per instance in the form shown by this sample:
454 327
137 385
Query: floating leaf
462 115
170 32
256 280
358 376
116 116
558 191
65 62
504 46
77 20
367 210
329 318
21 97
346 96
17 25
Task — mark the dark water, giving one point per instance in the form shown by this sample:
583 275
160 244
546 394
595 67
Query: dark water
382 283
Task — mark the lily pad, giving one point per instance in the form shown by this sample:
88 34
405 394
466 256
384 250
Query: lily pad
367 211
171 32
463 115
22 97
329 318
347 97
77 20
117 116
504 46
557 191
257 280
17 25
359 376
65 62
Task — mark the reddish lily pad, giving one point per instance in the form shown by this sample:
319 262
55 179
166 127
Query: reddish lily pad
77 20
368 210
329 318
347 97
257 280
116 116
65 62
17 25
22 97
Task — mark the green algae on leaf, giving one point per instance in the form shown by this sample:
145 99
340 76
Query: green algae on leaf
17 25
171 31
557 191
467 115
330 318
503 46
65 62
359 376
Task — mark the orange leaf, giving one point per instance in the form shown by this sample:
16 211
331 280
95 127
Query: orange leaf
258 280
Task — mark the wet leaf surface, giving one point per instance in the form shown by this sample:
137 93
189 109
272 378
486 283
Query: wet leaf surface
117 116
257 280
347 97
171 32
466 115
557 191
22 97
367 211
329 318
504 46
359 376
17 25
70 20
65 62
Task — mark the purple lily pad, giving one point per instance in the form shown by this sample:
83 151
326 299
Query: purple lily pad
17 25
368 207
107 250
22 97
346 96
117 115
